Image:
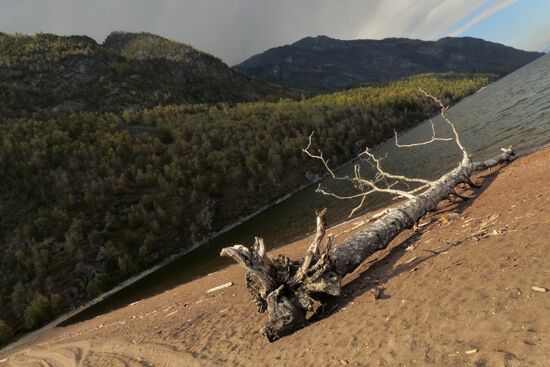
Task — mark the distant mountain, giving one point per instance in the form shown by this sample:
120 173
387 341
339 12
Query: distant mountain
324 64
129 69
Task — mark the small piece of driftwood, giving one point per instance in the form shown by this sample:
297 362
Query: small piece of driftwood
223 286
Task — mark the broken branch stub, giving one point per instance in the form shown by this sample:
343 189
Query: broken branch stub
287 289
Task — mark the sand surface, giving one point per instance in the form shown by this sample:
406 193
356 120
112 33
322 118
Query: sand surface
458 292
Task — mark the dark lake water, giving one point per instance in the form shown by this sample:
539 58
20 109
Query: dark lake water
515 111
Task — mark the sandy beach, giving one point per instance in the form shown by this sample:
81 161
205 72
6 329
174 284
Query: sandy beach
466 289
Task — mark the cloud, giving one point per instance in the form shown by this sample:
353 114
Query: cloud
428 19
538 42
483 15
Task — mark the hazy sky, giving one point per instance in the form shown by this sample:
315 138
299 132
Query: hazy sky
237 29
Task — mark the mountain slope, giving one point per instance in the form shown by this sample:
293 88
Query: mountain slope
130 69
325 64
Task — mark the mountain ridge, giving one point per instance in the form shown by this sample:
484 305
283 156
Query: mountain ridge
325 64
128 70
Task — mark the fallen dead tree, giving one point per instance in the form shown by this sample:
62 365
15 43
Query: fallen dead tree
287 289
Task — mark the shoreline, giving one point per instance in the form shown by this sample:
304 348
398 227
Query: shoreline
455 294
172 258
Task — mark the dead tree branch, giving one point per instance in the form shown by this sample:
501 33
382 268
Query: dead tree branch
434 138
443 112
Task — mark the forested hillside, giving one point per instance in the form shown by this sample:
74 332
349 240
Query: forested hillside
326 64
88 199
139 70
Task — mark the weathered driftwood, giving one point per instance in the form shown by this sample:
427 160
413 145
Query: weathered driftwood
539 289
287 289
220 287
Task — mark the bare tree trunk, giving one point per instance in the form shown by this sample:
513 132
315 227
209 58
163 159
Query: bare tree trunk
287 289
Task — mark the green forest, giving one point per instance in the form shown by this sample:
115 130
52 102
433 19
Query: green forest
88 199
